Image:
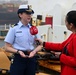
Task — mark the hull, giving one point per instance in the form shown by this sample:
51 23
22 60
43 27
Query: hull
8 18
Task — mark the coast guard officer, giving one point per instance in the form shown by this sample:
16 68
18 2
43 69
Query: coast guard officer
20 42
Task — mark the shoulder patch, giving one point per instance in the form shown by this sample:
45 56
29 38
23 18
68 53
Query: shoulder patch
13 25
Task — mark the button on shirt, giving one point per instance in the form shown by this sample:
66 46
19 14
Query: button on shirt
20 37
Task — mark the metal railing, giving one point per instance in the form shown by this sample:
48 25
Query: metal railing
5 27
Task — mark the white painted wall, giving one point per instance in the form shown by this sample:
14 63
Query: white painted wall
56 8
45 32
53 35
58 33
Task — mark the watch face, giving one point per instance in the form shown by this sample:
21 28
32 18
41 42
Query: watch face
17 52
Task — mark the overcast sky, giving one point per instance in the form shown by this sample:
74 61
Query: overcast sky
4 1
13 0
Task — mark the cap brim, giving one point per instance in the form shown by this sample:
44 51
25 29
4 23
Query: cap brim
26 11
29 11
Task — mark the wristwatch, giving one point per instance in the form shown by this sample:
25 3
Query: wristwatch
43 44
17 52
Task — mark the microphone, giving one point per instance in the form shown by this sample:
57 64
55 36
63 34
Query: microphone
34 31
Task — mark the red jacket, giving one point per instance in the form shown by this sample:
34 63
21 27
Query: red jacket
68 62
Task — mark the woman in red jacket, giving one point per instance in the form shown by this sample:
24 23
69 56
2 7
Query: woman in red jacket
67 48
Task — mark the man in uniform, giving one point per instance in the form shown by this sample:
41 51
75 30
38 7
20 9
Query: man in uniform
20 42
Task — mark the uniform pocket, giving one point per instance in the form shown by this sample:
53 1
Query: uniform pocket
19 37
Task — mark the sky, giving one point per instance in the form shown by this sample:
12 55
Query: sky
4 1
13 0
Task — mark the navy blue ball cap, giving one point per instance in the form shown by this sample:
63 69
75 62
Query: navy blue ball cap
26 9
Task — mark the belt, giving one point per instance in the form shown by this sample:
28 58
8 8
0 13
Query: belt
26 52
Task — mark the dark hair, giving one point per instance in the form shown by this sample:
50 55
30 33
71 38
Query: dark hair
71 17
19 16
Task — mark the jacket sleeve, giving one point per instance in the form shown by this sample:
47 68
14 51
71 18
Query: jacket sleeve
70 60
56 46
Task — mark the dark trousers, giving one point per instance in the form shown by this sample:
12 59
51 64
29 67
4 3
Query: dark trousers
23 66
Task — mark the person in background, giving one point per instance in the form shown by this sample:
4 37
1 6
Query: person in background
20 42
67 47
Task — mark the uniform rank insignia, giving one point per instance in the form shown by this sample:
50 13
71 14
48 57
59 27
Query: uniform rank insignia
13 25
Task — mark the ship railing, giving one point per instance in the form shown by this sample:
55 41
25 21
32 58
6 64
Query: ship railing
5 27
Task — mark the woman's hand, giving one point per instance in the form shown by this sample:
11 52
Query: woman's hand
32 54
38 48
22 54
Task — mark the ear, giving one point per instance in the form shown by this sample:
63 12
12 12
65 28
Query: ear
71 25
19 14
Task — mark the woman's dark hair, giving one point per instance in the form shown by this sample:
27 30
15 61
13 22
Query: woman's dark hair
19 16
71 17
